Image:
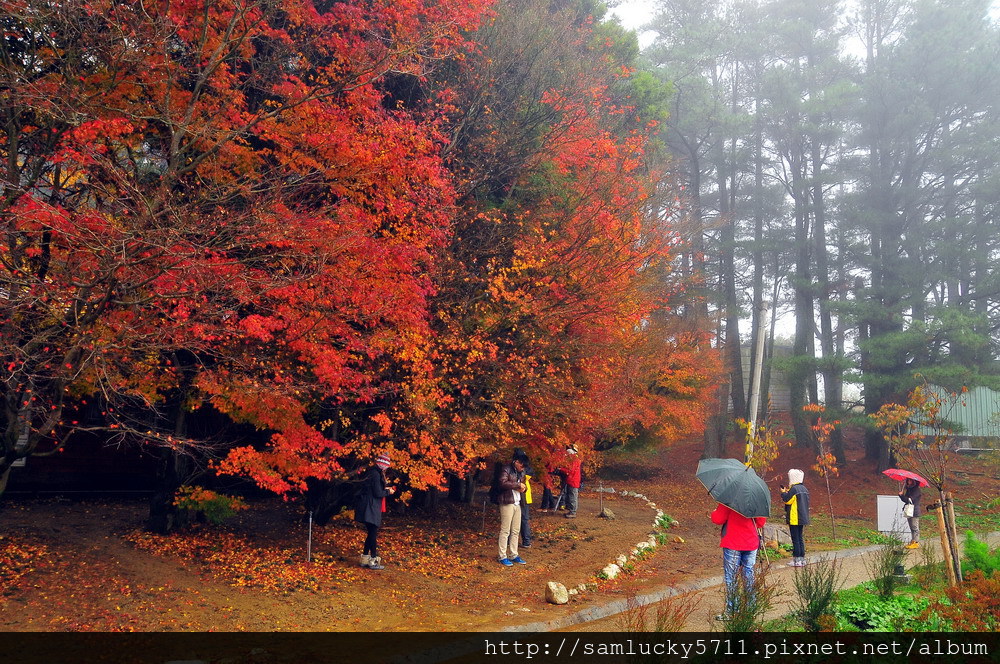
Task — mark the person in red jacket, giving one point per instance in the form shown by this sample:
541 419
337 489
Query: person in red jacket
740 540
571 485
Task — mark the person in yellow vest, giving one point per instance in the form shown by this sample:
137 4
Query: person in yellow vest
526 499
796 497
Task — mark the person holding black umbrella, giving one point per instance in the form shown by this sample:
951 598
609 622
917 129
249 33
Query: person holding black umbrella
740 539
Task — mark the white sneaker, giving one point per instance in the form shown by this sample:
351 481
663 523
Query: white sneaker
365 560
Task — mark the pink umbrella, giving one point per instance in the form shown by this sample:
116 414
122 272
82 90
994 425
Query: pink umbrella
899 474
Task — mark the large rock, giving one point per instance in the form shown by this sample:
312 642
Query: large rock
556 593
777 533
611 571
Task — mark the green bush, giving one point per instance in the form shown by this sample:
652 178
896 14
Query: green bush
861 609
213 507
817 586
750 604
979 557
666 522
881 566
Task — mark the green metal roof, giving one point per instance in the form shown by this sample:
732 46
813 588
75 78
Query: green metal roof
975 414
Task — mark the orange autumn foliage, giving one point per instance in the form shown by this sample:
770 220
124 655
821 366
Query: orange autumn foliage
340 224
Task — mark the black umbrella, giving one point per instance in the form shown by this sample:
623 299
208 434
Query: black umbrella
736 486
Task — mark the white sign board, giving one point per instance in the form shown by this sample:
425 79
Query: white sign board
891 521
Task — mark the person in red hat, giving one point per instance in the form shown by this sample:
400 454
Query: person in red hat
369 508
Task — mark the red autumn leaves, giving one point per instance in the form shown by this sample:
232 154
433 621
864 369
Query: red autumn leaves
277 214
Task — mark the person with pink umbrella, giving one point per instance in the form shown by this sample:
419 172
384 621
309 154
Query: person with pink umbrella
910 495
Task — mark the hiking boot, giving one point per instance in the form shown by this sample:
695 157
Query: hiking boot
366 560
376 563
506 562
519 560
570 515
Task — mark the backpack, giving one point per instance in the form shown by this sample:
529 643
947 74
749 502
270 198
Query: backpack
495 489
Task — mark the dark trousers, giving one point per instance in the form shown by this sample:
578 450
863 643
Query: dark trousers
798 544
548 500
525 525
371 541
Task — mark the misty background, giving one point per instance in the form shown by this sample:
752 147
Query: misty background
839 166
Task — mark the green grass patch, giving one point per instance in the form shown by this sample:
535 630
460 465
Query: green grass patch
849 533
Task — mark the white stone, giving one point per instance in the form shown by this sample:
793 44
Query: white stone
555 593
611 571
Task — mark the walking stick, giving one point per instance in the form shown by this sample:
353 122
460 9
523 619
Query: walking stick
761 549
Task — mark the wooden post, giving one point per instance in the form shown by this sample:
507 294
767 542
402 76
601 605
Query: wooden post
309 541
949 565
950 502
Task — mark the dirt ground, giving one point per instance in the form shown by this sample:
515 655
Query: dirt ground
88 566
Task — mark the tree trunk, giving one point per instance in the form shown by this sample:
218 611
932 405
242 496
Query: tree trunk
717 425
802 360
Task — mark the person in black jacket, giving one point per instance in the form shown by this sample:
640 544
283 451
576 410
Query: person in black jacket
910 495
369 508
796 497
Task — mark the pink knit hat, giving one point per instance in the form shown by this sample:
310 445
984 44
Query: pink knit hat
382 461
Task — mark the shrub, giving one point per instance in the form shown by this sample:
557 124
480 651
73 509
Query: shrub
973 606
668 615
860 609
215 507
979 557
817 586
881 567
930 570
666 522
750 604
